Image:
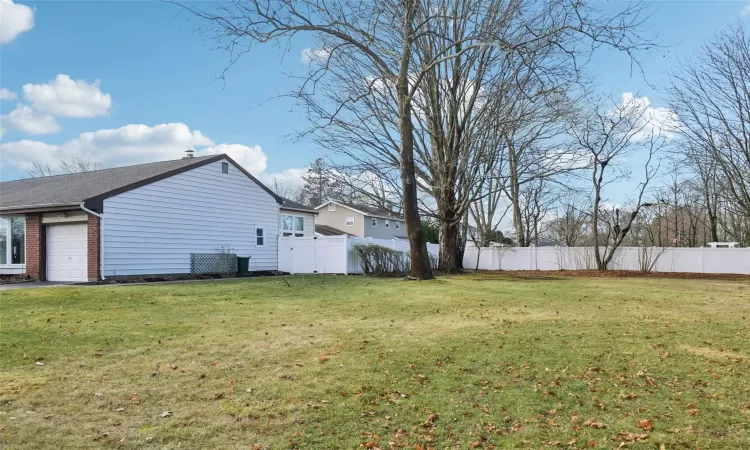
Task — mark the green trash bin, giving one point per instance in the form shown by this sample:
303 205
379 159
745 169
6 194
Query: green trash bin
243 264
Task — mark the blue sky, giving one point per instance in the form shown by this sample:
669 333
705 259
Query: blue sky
156 68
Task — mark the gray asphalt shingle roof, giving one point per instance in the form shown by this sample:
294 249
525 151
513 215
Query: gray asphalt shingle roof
74 188
326 230
291 204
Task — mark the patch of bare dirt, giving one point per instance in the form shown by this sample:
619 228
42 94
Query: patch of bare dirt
711 353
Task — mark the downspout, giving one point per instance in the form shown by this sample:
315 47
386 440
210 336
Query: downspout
101 238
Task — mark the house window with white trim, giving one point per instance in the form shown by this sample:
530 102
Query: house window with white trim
260 237
398 224
331 207
292 226
387 223
374 222
349 221
12 240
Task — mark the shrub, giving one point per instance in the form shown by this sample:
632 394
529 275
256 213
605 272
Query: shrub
380 260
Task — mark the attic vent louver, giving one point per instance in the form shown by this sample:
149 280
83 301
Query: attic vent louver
224 167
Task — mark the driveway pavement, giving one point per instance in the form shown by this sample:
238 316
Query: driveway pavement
31 284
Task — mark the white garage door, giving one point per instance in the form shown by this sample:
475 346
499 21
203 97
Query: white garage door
66 252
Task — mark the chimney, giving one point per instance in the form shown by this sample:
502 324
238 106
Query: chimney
189 154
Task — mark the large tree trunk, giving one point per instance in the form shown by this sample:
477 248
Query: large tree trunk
463 234
449 228
600 265
420 261
515 195
448 246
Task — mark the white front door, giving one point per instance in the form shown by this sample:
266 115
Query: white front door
66 252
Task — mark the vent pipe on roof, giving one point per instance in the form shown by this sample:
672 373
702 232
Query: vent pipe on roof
189 154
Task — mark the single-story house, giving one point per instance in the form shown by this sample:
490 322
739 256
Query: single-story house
142 220
361 220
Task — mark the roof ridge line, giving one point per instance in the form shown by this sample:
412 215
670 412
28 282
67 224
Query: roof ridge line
110 168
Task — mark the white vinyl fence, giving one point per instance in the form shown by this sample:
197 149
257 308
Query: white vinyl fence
656 259
331 254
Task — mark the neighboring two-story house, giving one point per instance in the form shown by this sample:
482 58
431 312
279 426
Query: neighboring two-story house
362 221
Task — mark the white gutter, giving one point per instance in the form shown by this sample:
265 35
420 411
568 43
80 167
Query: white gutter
101 238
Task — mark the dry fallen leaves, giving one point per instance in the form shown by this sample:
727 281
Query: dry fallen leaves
626 436
430 420
645 425
593 424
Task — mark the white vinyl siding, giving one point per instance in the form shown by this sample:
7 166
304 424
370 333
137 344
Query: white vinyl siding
153 229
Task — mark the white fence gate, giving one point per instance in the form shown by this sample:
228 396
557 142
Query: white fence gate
331 254
661 259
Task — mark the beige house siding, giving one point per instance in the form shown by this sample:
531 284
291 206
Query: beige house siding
337 219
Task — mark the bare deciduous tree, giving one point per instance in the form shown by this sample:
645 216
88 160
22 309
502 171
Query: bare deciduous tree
383 66
76 164
711 97
38 169
571 224
287 190
609 133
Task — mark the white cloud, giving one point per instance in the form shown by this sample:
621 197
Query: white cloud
745 10
14 20
659 121
251 158
22 154
314 55
289 177
7 94
65 97
26 119
131 144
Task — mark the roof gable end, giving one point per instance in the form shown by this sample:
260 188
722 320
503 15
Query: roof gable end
96 203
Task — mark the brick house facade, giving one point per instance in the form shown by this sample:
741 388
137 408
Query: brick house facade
93 253
36 226
34 246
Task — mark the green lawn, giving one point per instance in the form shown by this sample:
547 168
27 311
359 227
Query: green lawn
352 362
